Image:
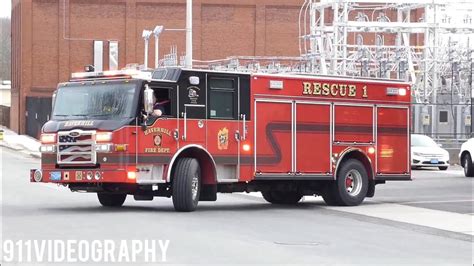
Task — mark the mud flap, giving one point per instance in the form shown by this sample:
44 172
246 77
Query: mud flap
208 193
371 191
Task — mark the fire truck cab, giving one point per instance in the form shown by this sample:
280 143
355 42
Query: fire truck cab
287 136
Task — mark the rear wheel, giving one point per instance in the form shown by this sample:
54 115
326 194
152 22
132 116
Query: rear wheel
468 167
282 197
443 168
111 200
186 185
350 187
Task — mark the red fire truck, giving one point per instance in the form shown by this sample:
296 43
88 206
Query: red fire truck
287 136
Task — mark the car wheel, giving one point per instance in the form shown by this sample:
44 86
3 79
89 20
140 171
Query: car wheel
350 187
186 185
111 200
468 167
443 168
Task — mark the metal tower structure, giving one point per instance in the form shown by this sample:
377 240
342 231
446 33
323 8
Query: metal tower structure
427 42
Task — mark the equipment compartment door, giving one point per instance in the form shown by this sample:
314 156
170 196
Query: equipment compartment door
353 124
393 146
273 137
313 138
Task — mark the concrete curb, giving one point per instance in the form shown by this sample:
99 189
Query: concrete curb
20 143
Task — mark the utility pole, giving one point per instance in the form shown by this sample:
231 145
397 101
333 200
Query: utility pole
189 34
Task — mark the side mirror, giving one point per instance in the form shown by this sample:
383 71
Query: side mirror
148 100
440 145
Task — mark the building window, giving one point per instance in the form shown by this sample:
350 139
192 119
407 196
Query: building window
222 98
443 116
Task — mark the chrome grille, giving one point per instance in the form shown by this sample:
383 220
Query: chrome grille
76 147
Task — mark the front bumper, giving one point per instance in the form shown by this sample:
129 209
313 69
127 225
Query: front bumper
66 176
422 161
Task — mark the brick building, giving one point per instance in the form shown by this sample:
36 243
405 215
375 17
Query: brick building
52 38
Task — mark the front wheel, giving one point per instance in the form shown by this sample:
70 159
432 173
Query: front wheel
282 197
350 187
186 185
468 167
111 200
443 168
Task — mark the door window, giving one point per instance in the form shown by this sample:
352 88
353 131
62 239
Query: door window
223 98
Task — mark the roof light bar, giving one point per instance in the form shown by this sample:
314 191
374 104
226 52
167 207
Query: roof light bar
110 73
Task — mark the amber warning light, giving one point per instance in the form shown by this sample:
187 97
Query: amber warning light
246 147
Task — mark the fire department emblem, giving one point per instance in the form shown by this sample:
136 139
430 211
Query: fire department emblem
157 140
223 139
193 94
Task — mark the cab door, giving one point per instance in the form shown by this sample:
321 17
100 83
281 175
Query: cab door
192 124
155 137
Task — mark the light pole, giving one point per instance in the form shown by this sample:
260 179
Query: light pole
156 32
146 35
189 34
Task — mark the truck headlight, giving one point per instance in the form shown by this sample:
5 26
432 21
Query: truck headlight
103 147
48 138
103 136
48 148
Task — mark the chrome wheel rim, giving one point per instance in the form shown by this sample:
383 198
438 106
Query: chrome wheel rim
195 186
353 182
465 165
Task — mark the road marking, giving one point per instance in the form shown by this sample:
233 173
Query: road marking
443 220
450 172
448 221
436 201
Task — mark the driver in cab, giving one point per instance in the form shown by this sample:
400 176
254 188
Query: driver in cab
159 106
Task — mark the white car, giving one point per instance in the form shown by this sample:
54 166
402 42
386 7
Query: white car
465 157
426 153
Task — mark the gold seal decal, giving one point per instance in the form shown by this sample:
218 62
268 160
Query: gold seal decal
223 139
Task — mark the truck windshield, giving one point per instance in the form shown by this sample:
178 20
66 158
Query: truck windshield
102 101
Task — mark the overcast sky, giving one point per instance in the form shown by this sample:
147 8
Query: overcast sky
5 8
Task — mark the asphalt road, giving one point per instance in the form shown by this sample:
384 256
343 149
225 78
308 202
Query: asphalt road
243 229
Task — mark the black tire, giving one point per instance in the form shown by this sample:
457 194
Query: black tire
443 168
111 200
336 192
186 174
282 197
468 167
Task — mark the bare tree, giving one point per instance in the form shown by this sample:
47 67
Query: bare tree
5 49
